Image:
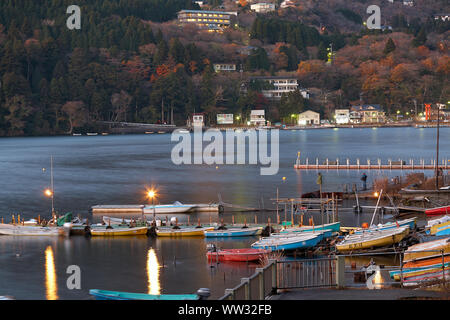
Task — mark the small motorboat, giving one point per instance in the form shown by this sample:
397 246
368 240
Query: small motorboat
202 294
237 255
335 226
182 232
426 250
234 232
301 241
21 230
372 239
410 223
439 227
438 211
114 232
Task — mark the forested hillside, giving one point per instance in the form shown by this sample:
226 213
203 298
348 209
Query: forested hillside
131 57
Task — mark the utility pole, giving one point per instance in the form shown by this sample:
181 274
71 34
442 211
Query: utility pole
437 149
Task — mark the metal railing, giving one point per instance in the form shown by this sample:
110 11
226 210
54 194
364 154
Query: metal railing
311 273
323 272
256 287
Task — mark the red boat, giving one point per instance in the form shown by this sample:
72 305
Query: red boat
236 254
439 211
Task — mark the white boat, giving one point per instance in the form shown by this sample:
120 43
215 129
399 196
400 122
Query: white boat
91 134
176 207
182 131
18 230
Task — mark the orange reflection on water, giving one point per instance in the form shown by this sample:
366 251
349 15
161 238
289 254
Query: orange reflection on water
50 275
153 272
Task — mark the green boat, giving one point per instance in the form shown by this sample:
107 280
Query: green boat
202 294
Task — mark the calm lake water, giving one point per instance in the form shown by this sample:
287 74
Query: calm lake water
92 170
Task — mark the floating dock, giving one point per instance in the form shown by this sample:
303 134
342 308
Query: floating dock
378 165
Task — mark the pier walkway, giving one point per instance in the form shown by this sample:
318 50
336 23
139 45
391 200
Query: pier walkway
358 294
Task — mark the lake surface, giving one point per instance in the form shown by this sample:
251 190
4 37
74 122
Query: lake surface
118 169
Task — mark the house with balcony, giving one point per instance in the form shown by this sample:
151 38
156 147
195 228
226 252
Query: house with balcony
367 113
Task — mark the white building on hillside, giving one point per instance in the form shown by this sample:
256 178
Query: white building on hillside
263 7
281 84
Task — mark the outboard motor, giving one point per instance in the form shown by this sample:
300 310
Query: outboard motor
211 247
67 227
203 293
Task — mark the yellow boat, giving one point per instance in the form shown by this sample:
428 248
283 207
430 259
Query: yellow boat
183 232
119 232
372 239
427 250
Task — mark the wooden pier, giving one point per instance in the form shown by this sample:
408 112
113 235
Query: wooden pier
378 165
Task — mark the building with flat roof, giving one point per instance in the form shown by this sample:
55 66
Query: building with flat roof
208 20
224 67
257 118
342 116
262 7
280 85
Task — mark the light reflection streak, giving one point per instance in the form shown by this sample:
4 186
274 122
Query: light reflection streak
153 272
50 275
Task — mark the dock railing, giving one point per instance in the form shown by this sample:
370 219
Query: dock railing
321 273
256 287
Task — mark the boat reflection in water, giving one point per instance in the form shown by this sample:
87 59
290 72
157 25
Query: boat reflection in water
153 272
50 275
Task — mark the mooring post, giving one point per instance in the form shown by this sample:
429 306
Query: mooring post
357 162
340 272
348 163
317 163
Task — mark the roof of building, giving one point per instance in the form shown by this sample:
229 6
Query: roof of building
367 107
308 112
206 11
273 77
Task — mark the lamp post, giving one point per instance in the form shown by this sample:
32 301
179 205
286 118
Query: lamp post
49 192
151 194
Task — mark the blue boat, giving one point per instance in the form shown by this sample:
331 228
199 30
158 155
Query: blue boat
411 223
290 242
234 232
117 295
334 227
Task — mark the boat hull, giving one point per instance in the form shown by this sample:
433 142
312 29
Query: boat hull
440 211
410 223
427 250
18 230
440 229
368 242
334 227
287 244
242 232
119 232
184 232
117 295
237 255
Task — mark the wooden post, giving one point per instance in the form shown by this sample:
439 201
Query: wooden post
340 272
273 263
